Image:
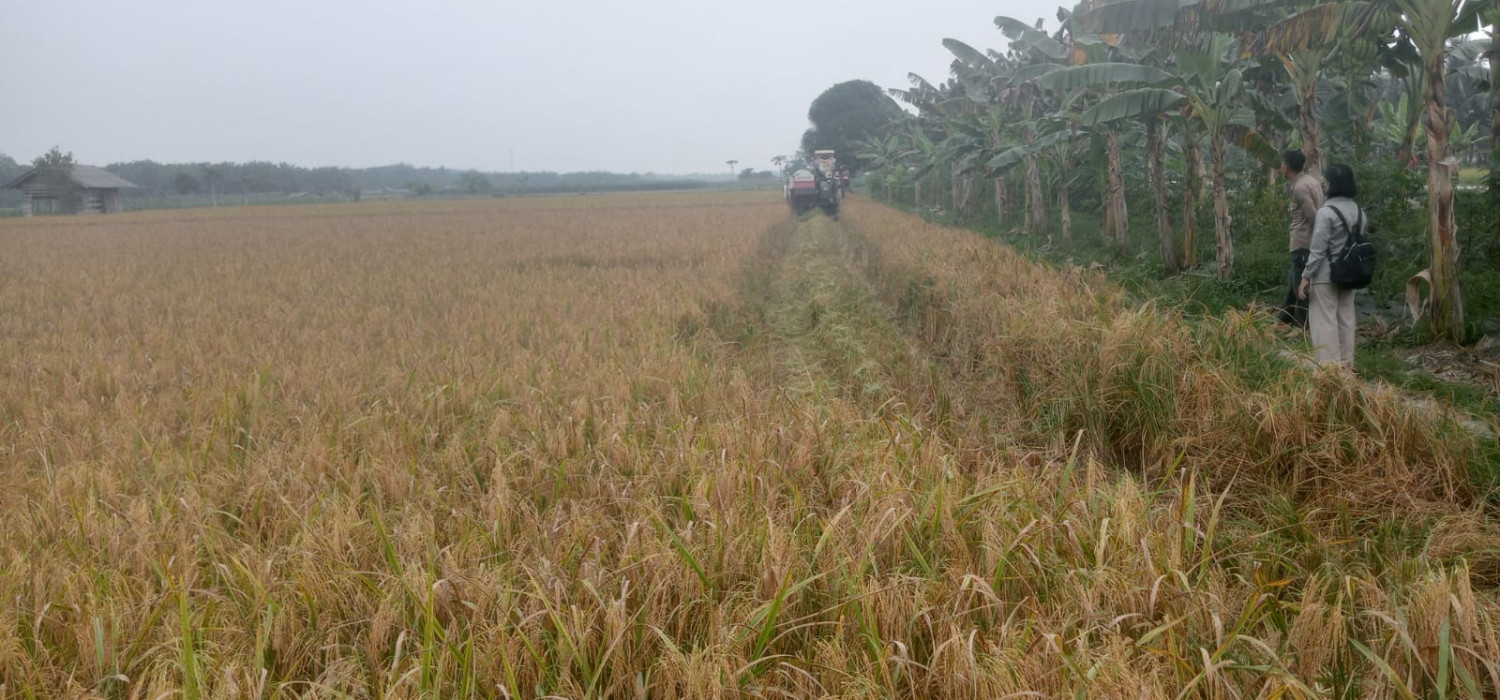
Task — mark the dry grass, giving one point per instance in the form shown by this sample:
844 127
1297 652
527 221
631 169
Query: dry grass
681 446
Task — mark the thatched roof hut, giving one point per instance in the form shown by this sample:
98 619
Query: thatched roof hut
91 190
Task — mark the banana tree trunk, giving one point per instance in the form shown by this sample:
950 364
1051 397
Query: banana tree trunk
1447 305
1119 220
1495 98
1156 173
1406 151
1034 196
1223 241
1000 200
1190 198
917 194
1304 73
1065 209
953 186
1307 119
937 189
1361 123
1494 178
1205 181
937 201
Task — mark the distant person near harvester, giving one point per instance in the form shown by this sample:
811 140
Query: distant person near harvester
1306 197
1340 261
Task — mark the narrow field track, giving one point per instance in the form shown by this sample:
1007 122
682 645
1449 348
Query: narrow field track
689 446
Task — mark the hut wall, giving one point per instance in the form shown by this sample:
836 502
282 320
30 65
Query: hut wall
42 200
90 202
111 199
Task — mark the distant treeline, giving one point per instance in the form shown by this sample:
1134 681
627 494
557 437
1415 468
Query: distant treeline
158 180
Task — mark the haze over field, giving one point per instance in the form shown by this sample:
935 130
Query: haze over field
669 86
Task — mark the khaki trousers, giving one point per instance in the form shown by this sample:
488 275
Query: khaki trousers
1330 314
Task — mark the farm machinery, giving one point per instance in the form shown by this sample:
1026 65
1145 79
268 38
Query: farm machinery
817 186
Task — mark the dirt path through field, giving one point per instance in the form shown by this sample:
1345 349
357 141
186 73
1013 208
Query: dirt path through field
811 312
829 331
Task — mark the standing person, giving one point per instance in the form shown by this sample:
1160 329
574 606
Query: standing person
1307 196
1330 307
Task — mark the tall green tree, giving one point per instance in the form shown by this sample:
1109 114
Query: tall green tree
9 168
474 182
185 183
845 115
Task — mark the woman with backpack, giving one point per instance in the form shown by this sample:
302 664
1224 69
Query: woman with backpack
1330 296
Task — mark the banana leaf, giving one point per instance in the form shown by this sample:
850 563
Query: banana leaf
1132 104
1095 74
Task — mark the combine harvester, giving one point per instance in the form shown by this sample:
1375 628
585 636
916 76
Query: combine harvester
818 186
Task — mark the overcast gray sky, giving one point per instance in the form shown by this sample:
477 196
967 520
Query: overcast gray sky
669 86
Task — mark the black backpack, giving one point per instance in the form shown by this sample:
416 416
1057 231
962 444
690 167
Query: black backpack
1354 266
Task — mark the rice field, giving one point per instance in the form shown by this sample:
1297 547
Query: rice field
689 446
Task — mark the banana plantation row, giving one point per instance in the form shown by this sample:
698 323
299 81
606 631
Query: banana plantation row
1215 85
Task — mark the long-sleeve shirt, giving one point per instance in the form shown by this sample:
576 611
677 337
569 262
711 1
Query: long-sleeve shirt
1307 196
1329 237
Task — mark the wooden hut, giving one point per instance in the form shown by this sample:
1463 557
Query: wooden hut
93 191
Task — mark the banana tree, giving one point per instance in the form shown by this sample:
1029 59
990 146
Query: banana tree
1401 121
1158 108
1492 17
1193 160
1032 52
975 138
1025 155
1156 173
1429 24
1210 90
984 124
925 131
1062 134
1303 43
961 149
1157 94
923 152
1196 32
887 156
1214 87
1303 67
1099 78
983 128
